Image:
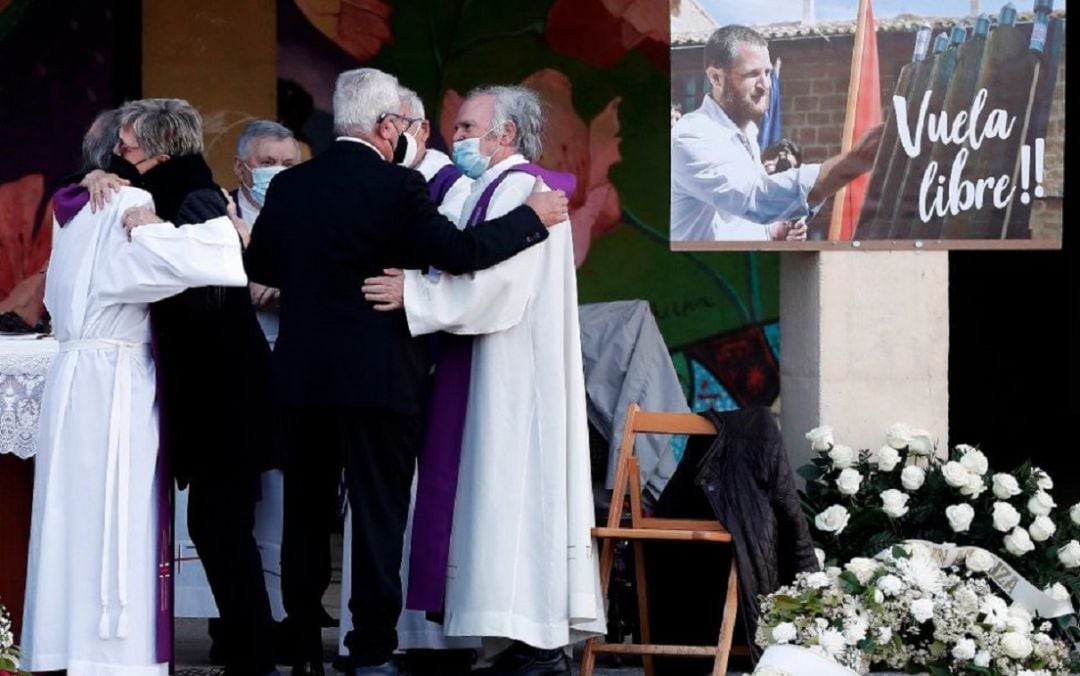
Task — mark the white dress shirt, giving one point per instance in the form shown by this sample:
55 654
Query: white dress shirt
719 188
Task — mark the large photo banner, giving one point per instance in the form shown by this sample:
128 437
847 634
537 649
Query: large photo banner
867 124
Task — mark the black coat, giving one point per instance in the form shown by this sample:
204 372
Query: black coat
741 477
328 224
214 379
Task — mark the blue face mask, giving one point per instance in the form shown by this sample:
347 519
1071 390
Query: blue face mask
469 159
260 181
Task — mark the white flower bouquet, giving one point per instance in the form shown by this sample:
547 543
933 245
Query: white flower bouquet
862 502
9 652
904 611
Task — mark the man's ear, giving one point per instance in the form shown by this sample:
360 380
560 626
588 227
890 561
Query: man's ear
423 133
715 76
509 133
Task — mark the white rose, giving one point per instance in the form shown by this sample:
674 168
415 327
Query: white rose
816 580
1005 516
897 435
890 585
862 568
975 486
832 641
964 649
819 554
1016 645
955 474
1020 620
1006 486
1018 542
1074 513
979 560
1041 504
973 460
1042 479
960 517
833 572
848 481
884 635
842 456
820 438
966 601
920 442
1057 591
879 596
833 520
887 458
982 658
1044 645
784 632
922 609
1069 555
1041 529
912 478
894 502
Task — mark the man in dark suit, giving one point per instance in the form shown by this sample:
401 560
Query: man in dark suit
351 377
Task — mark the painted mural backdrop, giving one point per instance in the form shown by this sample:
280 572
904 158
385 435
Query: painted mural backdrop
59 68
601 67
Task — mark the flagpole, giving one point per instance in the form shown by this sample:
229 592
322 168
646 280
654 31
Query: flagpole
837 218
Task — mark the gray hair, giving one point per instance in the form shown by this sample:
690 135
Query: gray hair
412 100
521 106
164 126
360 97
723 46
257 130
100 139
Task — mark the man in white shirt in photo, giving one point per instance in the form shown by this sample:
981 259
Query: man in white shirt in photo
719 189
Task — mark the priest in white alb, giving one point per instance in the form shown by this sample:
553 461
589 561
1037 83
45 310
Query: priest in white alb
93 593
522 570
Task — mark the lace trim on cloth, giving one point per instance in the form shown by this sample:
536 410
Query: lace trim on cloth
24 364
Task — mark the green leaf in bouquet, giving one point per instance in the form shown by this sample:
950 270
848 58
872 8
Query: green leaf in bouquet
899 552
938 670
810 472
849 583
785 603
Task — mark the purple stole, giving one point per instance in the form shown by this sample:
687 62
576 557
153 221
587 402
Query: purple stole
442 181
440 458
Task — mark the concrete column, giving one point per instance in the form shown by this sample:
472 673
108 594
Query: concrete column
864 344
220 56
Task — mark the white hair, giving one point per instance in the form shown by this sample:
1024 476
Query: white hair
412 100
360 97
164 126
521 106
260 129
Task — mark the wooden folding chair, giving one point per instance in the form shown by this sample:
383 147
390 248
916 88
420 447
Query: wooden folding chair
642 528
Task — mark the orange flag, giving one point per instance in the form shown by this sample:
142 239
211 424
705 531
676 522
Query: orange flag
863 113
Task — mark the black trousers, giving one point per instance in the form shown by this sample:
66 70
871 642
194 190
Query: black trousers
377 450
221 516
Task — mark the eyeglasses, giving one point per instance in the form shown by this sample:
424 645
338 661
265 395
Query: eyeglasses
409 121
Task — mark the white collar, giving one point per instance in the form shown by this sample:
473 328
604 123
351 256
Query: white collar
433 161
360 140
717 114
496 171
248 210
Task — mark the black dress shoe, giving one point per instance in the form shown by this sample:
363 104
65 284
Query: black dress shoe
308 668
524 660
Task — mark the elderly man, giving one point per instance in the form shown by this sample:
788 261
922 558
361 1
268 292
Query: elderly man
93 594
352 378
719 189
521 561
449 186
264 149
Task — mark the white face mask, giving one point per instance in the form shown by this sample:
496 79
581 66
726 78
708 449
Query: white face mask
405 150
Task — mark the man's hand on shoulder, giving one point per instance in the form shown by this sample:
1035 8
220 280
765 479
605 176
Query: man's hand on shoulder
551 206
136 216
101 185
386 291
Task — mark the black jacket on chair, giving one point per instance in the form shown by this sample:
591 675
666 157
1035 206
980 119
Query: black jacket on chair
742 478
328 224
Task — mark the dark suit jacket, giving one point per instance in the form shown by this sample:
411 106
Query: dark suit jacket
328 224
